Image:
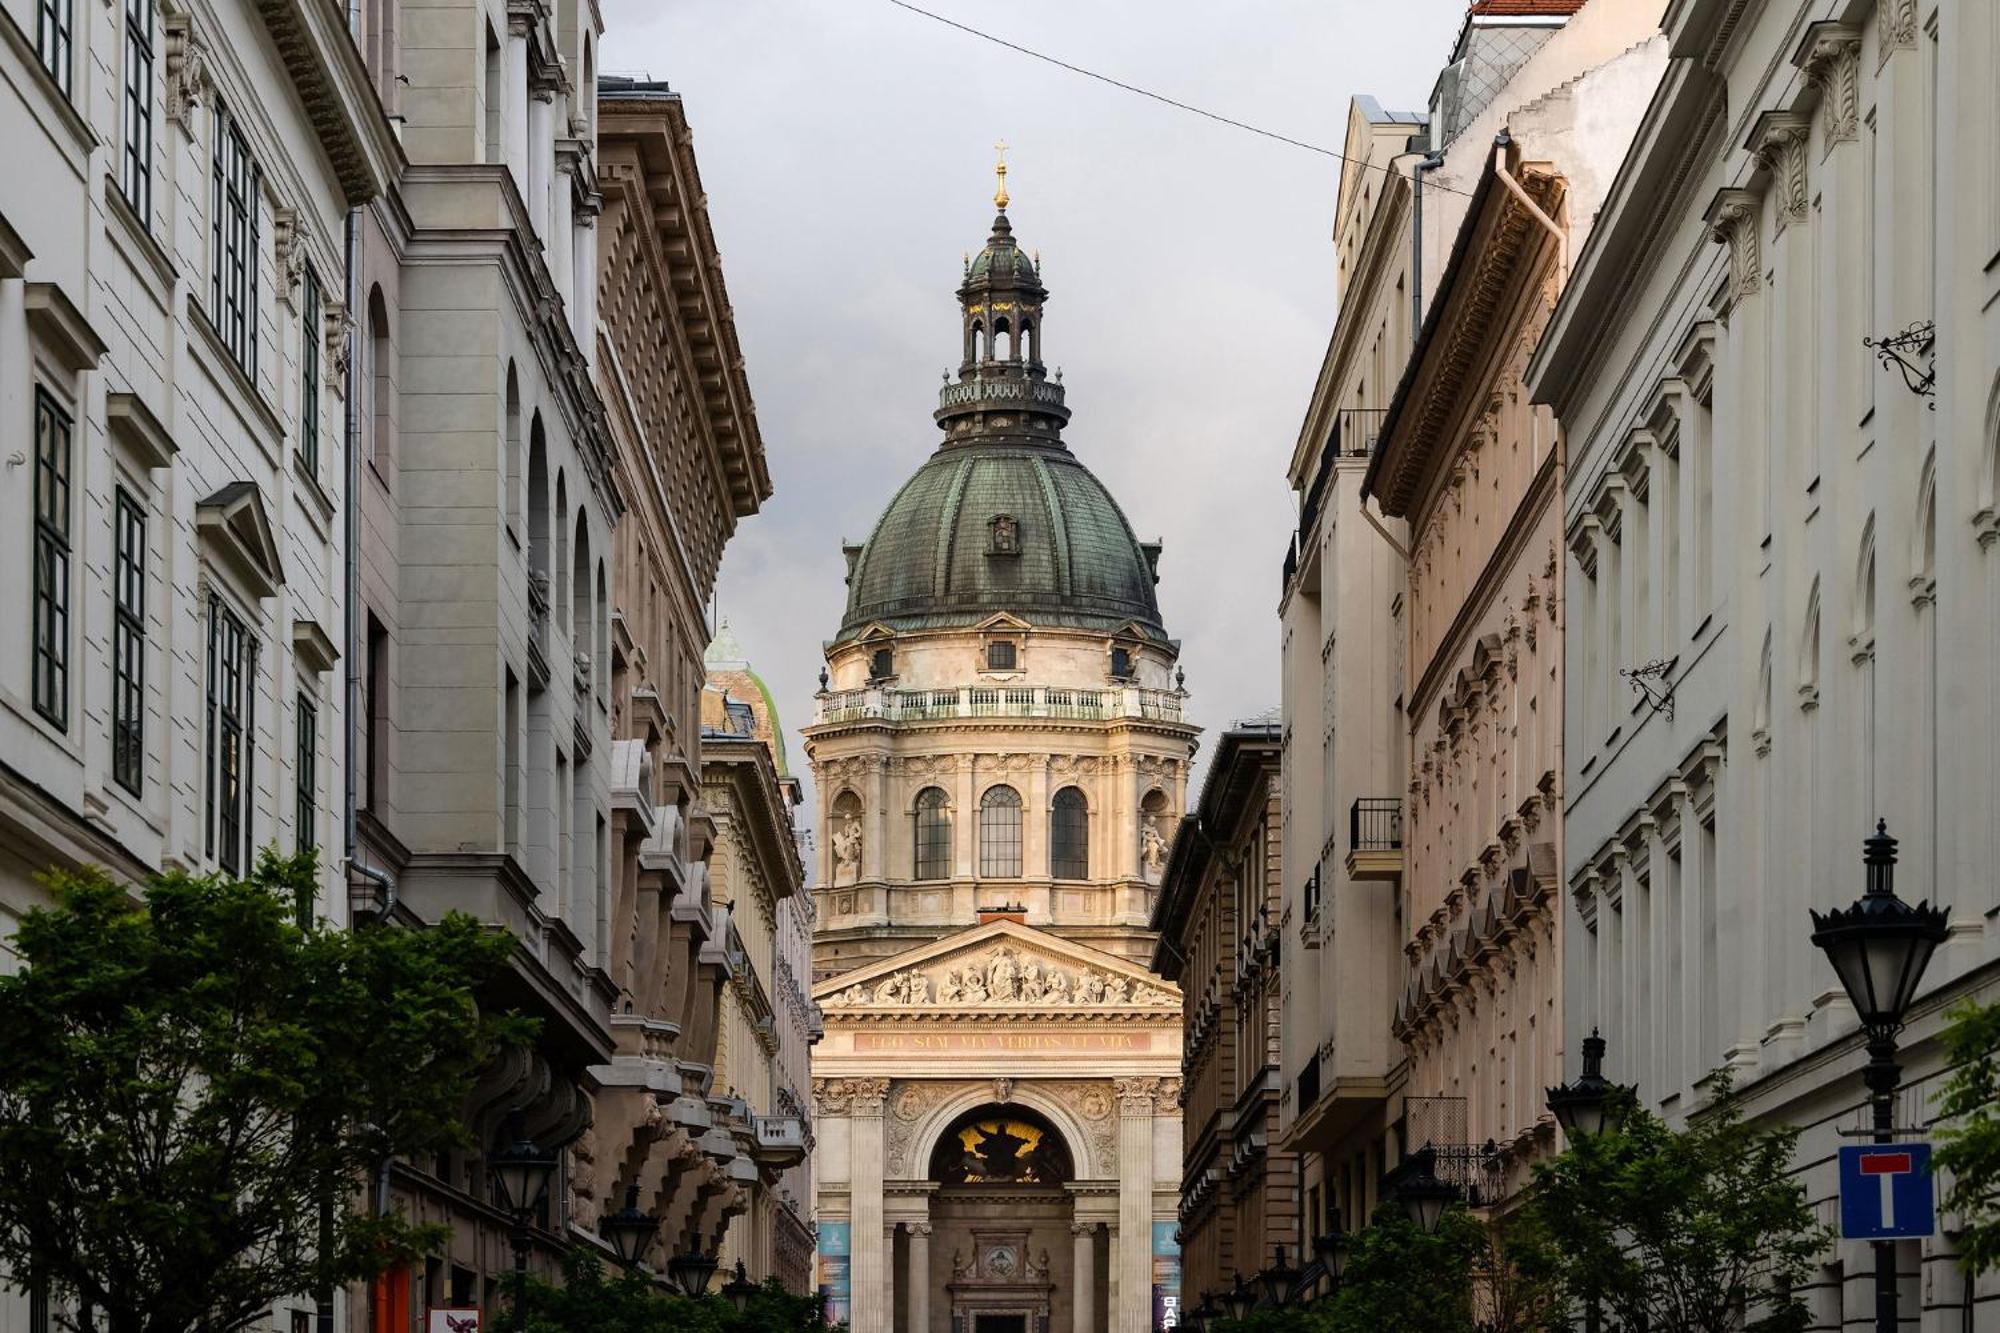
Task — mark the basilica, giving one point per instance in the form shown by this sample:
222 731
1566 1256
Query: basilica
1000 753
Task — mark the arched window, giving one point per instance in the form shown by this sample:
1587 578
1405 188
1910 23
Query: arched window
583 627
510 503
378 381
538 499
1000 832
1069 836
559 525
933 835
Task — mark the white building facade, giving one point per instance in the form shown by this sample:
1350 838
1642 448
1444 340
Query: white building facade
1781 566
172 339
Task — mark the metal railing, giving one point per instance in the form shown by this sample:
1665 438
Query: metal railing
1375 824
1356 431
900 705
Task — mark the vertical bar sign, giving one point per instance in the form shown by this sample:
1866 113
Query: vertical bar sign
1166 1277
835 1257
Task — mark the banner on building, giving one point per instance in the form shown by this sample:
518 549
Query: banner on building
1166 1277
835 1257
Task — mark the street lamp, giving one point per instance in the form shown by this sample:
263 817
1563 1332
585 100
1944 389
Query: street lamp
1423 1196
1879 949
1591 1105
521 1173
1239 1300
1280 1279
630 1231
691 1271
1199 1316
740 1289
1332 1249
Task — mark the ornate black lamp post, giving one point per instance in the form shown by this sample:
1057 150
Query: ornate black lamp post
521 1174
691 1271
1199 1316
1423 1196
630 1231
740 1289
1331 1250
1239 1300
1585 1109
1280 1279
1879 948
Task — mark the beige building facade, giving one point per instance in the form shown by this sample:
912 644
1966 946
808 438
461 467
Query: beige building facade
1000 759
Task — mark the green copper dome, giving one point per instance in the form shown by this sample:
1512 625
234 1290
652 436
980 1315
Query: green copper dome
992 527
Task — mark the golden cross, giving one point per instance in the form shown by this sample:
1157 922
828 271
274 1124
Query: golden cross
1000 173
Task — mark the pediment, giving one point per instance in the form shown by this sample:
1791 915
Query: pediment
238 528
876 632
1003 621
1002 967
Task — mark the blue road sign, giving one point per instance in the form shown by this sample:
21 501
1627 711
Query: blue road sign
1886 1192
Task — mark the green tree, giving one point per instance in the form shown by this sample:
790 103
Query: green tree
588 1301
196 1085
1969 1143
1684 1231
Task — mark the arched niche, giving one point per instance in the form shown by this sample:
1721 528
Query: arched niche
998 1144
1085 1161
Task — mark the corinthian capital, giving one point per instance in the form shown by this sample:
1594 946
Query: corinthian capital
1830 55
1778 140
1135 1095
1733 218
868 1095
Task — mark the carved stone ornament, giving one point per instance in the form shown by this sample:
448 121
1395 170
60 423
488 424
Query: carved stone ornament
287 250
868 1095
849 1096
1003 978
1135 1095
186 66
1897 28
333 317
1733 218
1830 55
1779 139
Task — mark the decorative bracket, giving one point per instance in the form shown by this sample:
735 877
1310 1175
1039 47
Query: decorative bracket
1651 683
1919 341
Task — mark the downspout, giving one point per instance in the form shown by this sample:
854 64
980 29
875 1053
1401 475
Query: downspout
1501 142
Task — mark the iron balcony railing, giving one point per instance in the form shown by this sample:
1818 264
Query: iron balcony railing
1355 433
1375 824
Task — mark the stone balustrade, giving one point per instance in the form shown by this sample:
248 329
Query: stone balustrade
1039 701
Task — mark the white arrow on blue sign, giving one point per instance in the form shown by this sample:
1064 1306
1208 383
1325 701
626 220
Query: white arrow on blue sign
1886 1192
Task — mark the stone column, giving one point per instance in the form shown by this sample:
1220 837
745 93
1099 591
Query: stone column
872 1303
920 1277
514 106
541 160
1132 1257
1083 1275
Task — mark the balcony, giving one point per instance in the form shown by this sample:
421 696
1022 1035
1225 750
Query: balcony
781 1141
1375 838
888 704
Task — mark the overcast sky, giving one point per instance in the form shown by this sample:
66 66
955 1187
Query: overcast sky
846 146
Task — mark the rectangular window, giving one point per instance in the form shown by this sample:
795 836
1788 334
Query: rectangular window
237 186
305 776
128 643
309 338
55 21
53 428
135 173
232 669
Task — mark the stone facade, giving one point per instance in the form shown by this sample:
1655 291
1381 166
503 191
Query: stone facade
1476 471
1218 919
767 1022
1797 537
1000 761
172 388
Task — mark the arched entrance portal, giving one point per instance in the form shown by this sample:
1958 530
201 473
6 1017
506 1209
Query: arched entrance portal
1001 1253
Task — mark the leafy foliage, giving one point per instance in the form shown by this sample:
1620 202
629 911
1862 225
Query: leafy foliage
196 1085
1682 1231
1472 1276
588 1301
1969 1143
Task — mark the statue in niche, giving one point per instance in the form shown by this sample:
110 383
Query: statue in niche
1058 986
1004 535
1152 850
847 850
1004 980
951 990
1031 982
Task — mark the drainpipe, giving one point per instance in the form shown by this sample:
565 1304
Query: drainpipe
1501 142
1431 162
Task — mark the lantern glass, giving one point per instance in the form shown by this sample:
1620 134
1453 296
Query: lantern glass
629 1230
1239 1300
740 1289
691 1272
521 1173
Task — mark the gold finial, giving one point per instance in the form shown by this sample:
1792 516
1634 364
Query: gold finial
1000 173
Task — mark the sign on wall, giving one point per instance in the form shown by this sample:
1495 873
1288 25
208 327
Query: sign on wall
835 1255
455 1320
1166 1277
1886 1192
